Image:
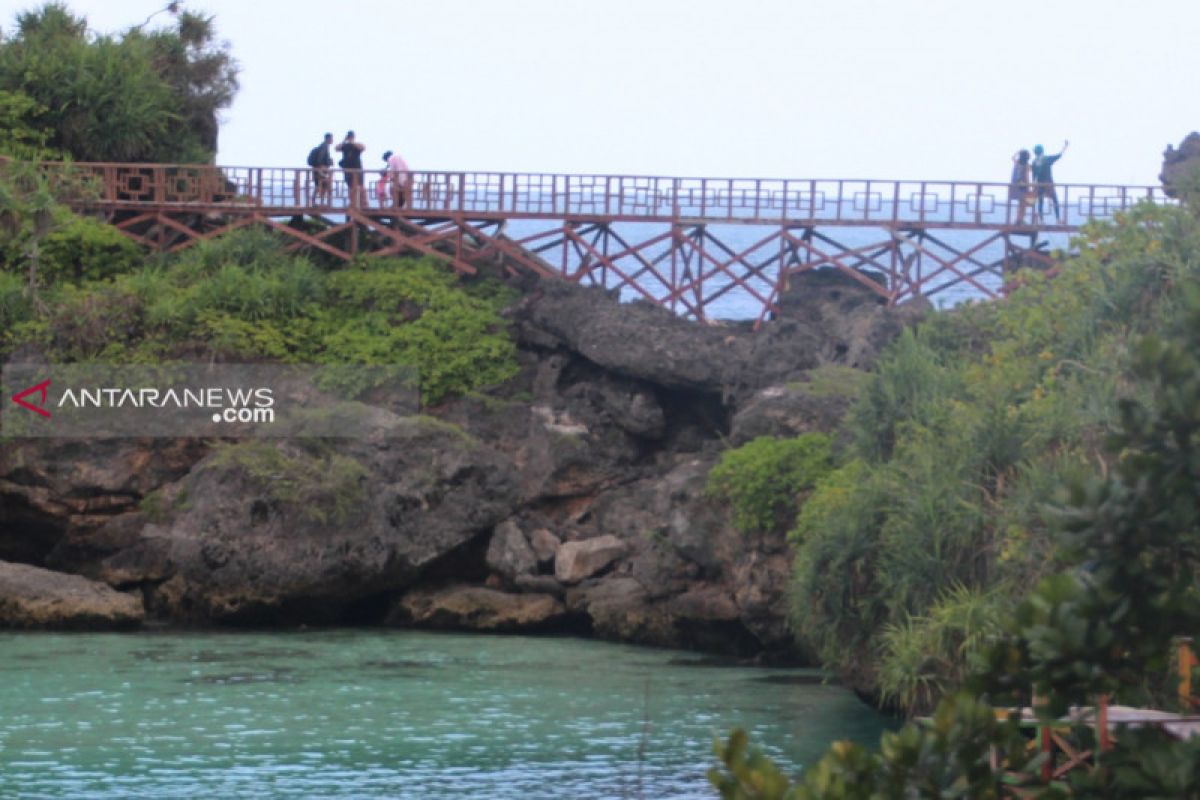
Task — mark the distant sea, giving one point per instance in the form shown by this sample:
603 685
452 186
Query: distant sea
738 304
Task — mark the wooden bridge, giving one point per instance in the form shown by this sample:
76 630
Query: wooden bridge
698 246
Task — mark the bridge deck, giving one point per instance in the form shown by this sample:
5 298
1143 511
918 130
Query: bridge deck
683 243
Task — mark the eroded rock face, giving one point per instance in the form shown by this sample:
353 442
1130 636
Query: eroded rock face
241 551
55 493
573 497
689 578
31 597
477 608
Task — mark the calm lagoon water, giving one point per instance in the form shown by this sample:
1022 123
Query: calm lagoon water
372 714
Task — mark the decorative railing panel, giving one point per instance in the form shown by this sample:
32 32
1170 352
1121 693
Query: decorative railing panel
620 197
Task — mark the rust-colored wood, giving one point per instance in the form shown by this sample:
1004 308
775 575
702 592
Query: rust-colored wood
674 258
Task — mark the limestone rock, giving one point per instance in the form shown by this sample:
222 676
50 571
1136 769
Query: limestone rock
476 608
840 320
31 597
578 560
255 547
636 340
52 489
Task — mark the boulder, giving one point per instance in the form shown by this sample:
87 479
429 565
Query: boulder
31 597
476 608
578 560
545 547
509 554
635 340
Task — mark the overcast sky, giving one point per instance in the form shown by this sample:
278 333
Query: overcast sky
901 89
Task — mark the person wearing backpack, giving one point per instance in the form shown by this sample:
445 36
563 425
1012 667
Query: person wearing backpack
321 161
1043 177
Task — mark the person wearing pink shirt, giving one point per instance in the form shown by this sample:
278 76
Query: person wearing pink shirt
398 175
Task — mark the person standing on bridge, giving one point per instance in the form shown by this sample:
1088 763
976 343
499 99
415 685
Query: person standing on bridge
1043 176
1019 187
351 162
397 173
321 162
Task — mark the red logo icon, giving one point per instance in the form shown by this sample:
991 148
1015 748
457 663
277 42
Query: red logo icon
41 389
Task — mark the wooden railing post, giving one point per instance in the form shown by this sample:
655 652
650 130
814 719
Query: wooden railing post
1186 660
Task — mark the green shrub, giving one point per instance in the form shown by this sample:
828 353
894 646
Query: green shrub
763 478
84 321
14 302
80 248
415 313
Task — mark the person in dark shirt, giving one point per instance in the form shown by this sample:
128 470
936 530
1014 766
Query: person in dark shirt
351 163
1043 177
321 161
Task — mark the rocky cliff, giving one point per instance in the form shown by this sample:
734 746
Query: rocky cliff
1180 165
571 499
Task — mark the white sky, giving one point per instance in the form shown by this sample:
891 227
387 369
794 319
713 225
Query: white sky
899 89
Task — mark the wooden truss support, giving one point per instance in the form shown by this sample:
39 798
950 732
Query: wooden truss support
685 266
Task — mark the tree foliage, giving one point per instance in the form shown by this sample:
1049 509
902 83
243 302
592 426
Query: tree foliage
136 97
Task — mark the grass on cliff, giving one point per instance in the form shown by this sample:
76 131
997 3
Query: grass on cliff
243 297
314 482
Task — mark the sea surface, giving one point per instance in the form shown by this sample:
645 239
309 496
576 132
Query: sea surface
396 714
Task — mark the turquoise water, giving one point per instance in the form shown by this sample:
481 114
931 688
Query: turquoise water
366 713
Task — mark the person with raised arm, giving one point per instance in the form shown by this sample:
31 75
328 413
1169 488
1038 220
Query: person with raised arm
1043 178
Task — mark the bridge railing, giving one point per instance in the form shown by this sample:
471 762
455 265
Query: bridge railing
618 197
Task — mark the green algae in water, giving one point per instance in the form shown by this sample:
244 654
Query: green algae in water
367 713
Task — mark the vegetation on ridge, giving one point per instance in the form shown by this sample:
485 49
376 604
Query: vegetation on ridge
243 297
1090 382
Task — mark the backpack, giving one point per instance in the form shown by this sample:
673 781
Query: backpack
316 156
